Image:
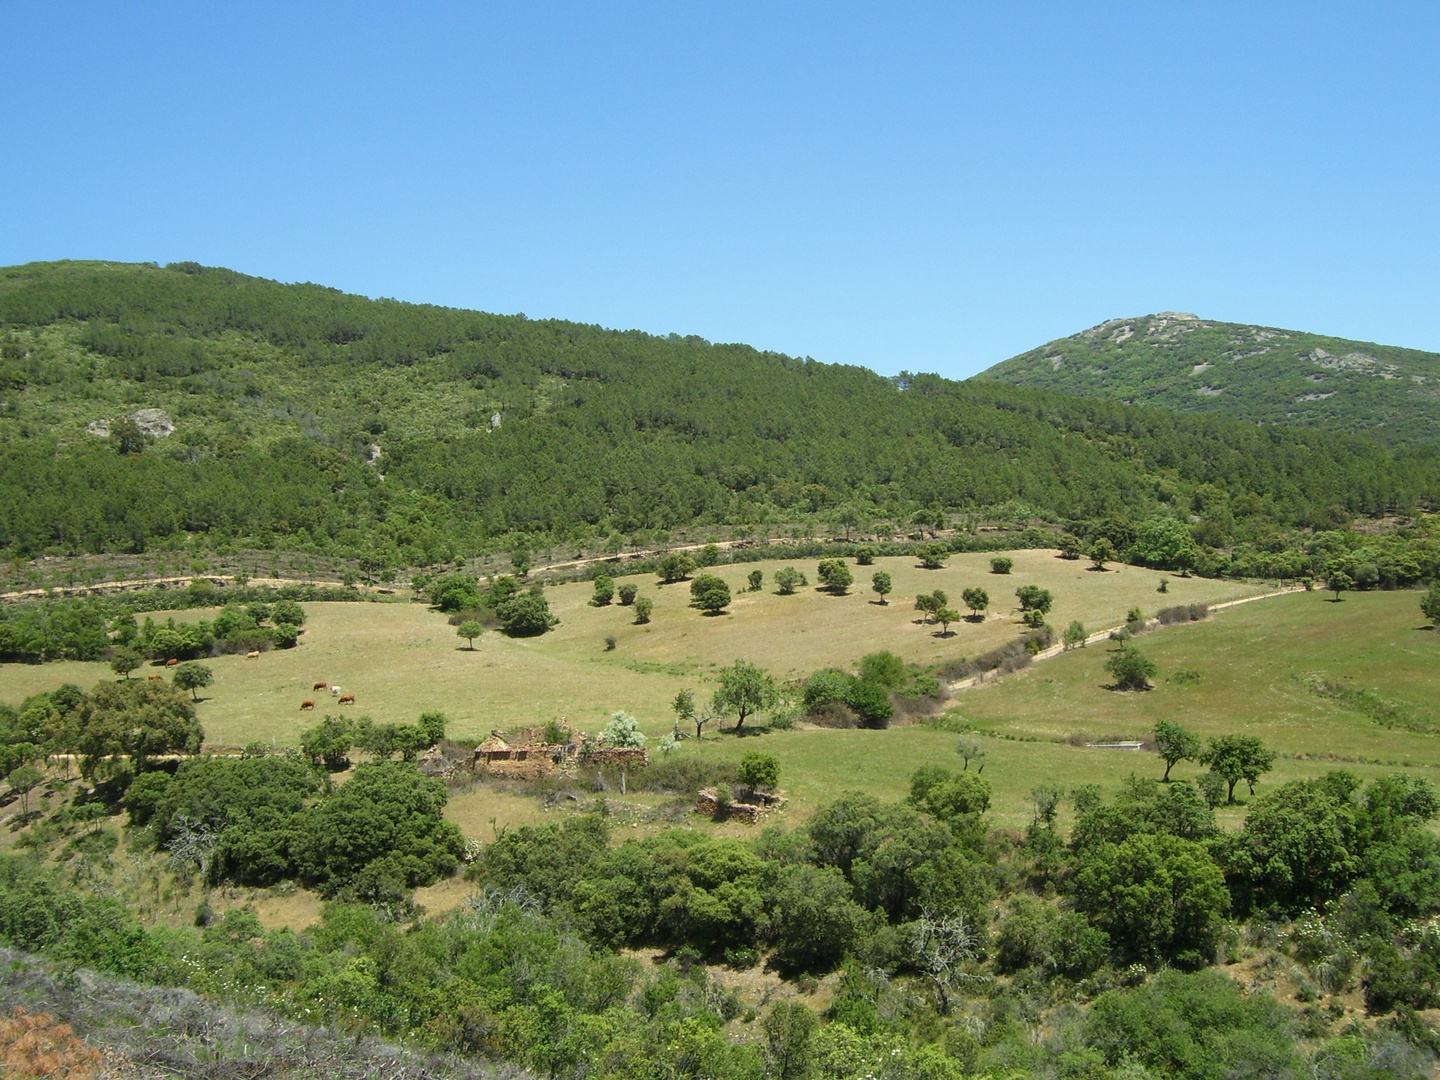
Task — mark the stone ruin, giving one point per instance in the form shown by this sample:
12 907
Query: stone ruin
750 809
529 755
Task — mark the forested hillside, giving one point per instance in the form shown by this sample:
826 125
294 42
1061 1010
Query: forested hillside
311 420
1254 373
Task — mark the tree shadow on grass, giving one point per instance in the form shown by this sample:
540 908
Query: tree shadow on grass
1120 688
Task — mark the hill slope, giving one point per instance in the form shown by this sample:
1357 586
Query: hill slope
308 419
1253 373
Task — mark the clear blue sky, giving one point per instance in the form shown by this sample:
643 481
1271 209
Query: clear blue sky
932 187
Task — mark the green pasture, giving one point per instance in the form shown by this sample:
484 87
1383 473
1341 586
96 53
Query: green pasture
1253 662
400 660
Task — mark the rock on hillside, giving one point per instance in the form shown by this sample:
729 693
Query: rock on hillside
1259 373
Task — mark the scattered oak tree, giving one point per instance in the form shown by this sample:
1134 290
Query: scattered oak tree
1132 669
192 676
933 556
835 576
1001 564
470 630
604 591
1238 757
676 566
788 579
976 599
124 660
881 585
745 689
1176 743
709 593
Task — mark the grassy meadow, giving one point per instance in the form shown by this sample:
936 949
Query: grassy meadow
1252 661
400 660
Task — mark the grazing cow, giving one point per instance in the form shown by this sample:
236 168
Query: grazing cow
253 655
171 662
347 699
306 705
155 676
320 686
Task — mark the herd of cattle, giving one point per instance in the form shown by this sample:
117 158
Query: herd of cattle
344 699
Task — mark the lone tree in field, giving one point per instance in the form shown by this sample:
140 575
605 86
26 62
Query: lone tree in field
933 556
1001 564
191 676
1430 606
1132 669
835 576
756 579
744 690
1101 552
970 750
788 579
643 607
627 594
1175 743
470 630
976 599
1238 757
124 660
880 583
1340 575
709 593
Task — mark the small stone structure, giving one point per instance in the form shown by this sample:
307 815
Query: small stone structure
529 755
751 810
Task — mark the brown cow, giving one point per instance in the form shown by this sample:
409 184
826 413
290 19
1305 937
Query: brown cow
171 662
253 655
321 686
306 705
155 676
347 699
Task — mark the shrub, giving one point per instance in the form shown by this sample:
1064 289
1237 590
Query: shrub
759 770
788 579
835 576
1001 564
526 615
709 593
1131 668
643 606
627 593
604 591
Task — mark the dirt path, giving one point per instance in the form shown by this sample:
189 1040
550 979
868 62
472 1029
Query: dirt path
989 677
